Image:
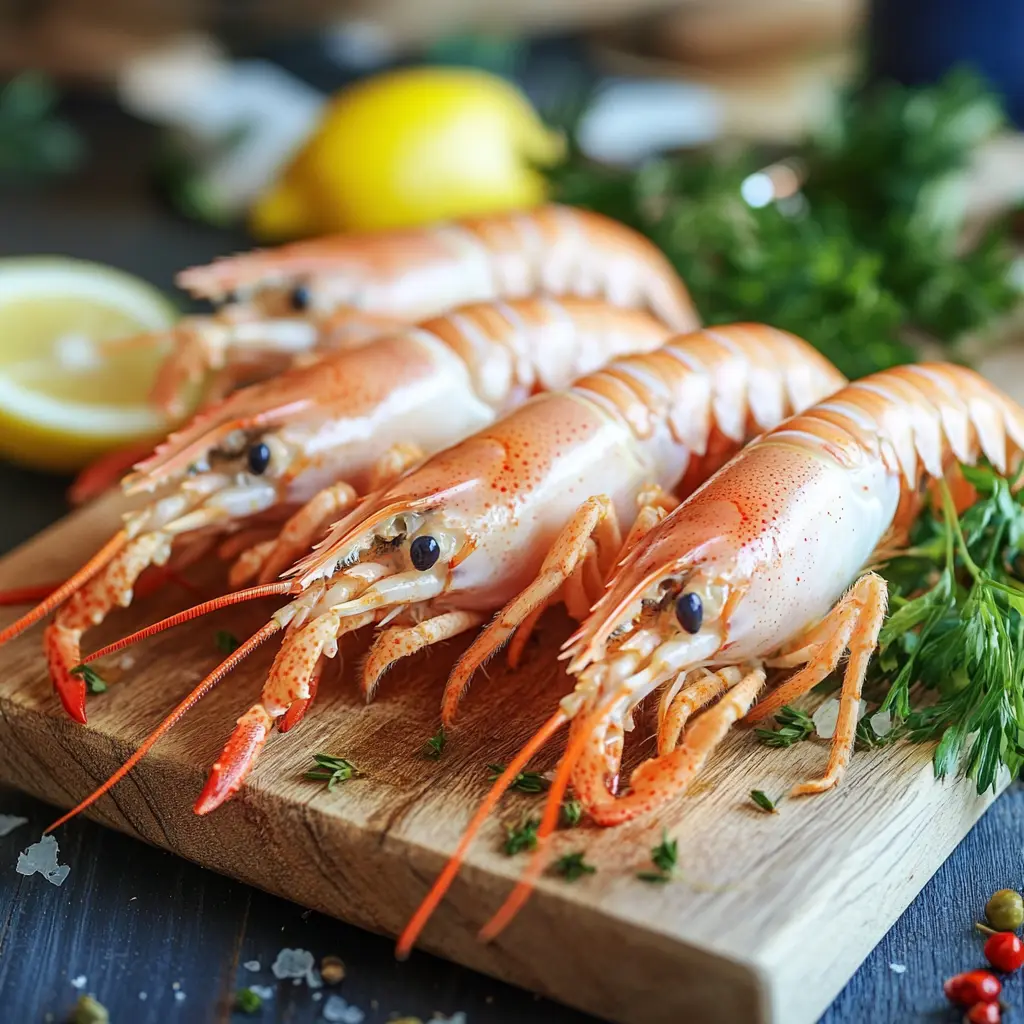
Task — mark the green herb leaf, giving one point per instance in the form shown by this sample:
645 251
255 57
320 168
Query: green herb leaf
794 725
434 747
664 856
332 770
526 782
763 800
522 838
227 643
572 813
572 866
94 682
247 1001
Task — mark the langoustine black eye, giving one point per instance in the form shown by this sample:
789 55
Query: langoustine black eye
258 458
424 552
301 298
690 612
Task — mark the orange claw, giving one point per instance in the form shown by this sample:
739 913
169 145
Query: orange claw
238 756
298 708
63 654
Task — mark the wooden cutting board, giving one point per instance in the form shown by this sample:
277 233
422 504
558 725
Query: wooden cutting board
769 916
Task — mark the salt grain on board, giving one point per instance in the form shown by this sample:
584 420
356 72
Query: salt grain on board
41 857
827 715
898 968
338 1011
9 822
293 963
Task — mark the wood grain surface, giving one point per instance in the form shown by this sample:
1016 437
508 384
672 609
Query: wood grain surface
768 918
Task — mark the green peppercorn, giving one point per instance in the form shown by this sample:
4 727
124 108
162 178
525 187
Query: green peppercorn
89 1011
1005 910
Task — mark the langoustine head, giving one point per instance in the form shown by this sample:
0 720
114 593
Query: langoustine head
233 462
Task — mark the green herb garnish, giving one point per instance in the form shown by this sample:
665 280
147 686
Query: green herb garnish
762 800
94 682
956 626
227 643
794 725
331 770
525 782
434 747
246 1001
572 866
522 838
572 813
664 856
861 257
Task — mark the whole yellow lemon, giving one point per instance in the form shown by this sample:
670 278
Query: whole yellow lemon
411 147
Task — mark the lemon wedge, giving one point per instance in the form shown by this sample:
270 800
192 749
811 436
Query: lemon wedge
63 400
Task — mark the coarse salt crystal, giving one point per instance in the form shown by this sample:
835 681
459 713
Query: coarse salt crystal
826 716
881 723
317 996
898 968
9 822
80 982
293 963
41 857
179 997
263 991
252 965
338 1011
143 996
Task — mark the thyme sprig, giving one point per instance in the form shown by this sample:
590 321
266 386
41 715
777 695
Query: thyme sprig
794 725
332 770
664 856
95 683
521 837
525 782
572 866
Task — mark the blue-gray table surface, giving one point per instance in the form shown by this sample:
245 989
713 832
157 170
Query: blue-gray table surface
159 940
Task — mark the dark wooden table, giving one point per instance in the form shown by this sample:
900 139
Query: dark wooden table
159 940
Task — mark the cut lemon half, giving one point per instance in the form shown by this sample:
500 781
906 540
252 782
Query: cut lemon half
63 400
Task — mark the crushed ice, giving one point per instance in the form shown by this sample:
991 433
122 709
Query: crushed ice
827 715
263 991
881 723
9 822
41 857
898 968
252 965
80 982
339 1011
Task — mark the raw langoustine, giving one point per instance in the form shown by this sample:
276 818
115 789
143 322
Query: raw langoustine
323 435
562 477
762 567
339 290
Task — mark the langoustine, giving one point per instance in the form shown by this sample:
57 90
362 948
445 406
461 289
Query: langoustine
453 539
339 290
322 435
761 568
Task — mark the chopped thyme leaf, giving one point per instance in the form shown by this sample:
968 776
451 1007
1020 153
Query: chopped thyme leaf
794 725
522 838
525 782
572 813
227 643
434 747
763 801
247 1001
93 680
572 866
331 770
664 856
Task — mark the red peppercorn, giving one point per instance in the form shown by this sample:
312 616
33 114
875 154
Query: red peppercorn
984 1013
972 987
1004 951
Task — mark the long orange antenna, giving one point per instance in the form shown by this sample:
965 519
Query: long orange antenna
430 903
524 887
224 601
173 718
27 595
67 588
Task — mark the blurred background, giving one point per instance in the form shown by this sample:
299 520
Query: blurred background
850 170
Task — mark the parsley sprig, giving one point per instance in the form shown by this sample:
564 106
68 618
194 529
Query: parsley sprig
957 628
859 260
95 683
572 866
434 747
521 837
664 856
